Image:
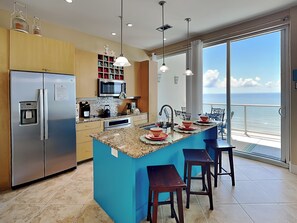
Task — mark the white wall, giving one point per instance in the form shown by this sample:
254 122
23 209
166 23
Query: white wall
168 92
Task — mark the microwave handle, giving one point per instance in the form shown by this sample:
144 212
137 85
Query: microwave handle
123 87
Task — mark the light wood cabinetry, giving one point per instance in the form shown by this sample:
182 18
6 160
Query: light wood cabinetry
86 74
84 145
34 53
140 119
5 178
148 88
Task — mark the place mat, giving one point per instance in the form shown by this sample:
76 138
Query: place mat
151 142
204 123
185 131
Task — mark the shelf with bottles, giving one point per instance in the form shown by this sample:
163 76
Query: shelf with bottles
106 69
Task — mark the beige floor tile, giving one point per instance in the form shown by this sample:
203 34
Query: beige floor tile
227 213
272 213
54 213
8 195
257 173
249 192
83 173
39 193
93 213
18 213
74 192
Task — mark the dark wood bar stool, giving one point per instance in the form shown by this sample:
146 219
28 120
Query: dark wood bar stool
164 178
218 146
198 157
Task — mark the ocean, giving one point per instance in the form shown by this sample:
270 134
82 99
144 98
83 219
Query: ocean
259 109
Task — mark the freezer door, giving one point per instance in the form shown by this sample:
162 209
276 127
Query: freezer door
27 151
59 113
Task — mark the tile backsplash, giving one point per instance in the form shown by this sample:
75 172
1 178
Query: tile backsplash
97 104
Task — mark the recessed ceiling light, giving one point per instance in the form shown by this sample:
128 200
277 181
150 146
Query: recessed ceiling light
69 1
113 34
129 24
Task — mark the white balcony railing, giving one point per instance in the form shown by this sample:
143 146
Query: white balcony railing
255 118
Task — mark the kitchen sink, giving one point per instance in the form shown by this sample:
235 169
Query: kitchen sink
147 127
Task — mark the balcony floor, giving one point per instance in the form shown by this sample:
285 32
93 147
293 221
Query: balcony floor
268 146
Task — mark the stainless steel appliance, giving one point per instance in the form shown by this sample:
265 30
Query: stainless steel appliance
113 88
43 140
117 123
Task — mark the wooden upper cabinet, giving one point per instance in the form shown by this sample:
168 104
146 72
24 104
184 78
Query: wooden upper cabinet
86 71
34 53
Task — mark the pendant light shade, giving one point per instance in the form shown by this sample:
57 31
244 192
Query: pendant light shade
188 72
163 68
121 61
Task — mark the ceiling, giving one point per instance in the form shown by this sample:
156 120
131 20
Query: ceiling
101 18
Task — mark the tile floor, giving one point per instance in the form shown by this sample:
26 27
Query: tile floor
263 193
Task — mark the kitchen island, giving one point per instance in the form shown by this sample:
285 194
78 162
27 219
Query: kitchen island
120 161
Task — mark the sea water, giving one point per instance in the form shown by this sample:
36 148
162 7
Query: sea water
260 110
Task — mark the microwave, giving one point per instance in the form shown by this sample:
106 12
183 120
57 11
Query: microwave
108 87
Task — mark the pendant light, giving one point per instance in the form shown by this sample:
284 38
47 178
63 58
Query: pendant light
121 61
163 68
188 72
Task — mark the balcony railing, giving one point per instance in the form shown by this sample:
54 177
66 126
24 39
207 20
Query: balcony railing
254 118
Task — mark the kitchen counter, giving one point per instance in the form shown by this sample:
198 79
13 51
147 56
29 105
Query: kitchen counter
120 160
97 118
127 140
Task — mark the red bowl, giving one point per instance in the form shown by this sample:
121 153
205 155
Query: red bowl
204 118
187 124
156 131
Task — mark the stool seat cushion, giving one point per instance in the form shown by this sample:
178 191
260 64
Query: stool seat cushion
218 144
164 176
197 155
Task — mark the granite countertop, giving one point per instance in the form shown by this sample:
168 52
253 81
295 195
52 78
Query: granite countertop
96 118
128 141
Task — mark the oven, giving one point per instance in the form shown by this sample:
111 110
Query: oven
116 123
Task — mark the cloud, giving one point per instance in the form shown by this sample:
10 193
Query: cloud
211 80
271 84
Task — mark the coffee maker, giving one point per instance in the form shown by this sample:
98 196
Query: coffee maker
85 109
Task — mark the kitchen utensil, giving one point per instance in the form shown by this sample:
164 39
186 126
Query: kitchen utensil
106 111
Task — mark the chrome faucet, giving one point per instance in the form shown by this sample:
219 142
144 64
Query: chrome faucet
172 122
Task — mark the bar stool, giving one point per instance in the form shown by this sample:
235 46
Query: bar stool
164 178
198 157
218 147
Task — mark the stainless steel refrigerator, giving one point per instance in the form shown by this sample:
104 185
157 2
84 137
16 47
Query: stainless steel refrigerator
43 138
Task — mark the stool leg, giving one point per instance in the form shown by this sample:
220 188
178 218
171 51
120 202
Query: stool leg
209 187
230 152
185 171
180 205
149 205
189 184
155 207
216 168
171 204
220 161
203 178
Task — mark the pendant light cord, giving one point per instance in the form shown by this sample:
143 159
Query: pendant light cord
163 31
121 28
188 46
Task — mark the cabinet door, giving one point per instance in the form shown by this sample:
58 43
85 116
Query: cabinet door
4 112
58 56
86 71
26 52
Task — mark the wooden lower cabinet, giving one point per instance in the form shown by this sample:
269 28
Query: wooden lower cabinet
140 119
84 143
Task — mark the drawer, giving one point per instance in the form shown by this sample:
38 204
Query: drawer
84 136
89 125
84 151
140 117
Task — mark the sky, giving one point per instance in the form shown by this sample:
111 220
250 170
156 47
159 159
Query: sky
255 65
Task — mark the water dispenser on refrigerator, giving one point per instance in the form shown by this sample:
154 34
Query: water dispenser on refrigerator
28 112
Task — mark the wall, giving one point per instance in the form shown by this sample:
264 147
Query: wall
168 92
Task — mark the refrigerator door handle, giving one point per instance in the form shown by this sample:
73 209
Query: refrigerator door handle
45 114
40 99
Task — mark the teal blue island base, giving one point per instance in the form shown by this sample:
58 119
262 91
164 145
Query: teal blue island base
121 183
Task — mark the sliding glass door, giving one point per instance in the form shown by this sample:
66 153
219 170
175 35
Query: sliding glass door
252 71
